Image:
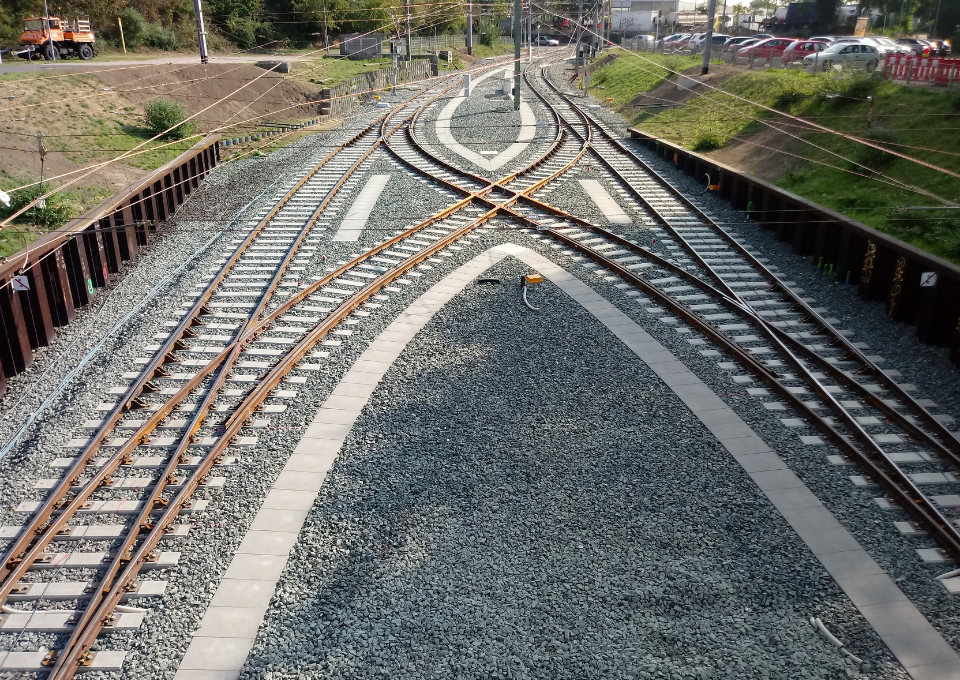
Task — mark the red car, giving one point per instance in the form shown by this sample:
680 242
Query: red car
796 51
767 49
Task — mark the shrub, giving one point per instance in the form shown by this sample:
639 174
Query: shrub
166 116
53 215
489 31
705 139
248 32
162 38
135 28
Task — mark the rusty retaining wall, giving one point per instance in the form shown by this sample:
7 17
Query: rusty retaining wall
880 266
42 287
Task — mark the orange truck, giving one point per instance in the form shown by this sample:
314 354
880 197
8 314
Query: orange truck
61 39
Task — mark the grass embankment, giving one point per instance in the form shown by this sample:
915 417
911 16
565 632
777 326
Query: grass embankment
82 123
333 70
620 79
79 118
865 183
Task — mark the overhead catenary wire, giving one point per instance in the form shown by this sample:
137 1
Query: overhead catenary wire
888 179
771 109
136 150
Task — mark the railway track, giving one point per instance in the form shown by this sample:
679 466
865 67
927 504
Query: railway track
180 406
245 342
722 289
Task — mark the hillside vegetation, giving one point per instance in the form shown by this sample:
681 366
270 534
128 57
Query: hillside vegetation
867 184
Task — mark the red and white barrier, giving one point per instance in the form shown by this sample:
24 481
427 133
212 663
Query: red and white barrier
933 70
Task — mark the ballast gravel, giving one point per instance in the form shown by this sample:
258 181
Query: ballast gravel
522 498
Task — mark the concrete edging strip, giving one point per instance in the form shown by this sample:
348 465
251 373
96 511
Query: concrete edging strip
227 631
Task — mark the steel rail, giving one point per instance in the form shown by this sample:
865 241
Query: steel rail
950 450
920 506
83 639
25 558
74 658
168 475
867 365
40 522
904 491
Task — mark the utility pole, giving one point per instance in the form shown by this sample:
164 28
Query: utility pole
201 34
708 38
517 39
53 48
530 34
579 20
406 11
469 28
326 40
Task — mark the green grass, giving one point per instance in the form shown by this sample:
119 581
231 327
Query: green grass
75 201
626 75
908 116
330 71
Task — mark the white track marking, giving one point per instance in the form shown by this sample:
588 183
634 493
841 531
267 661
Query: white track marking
608 206
352 225
528 129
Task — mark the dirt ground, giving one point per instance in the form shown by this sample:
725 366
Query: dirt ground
94 116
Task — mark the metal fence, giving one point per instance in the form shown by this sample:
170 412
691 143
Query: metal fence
421 44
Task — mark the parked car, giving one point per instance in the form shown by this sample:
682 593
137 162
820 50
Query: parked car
884 49
766 49
730 42
917 47
761 36
545 41
688 41
745 43
940 48
672 41
716 40
824 38
796 51
860 55
896 49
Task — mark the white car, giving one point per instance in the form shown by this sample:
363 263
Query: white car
545 41
860 55
717 40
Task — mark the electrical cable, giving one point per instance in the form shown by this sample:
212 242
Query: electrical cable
771 109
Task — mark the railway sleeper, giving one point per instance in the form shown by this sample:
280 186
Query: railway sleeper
39 662
120 507
57 621
92 532
96 560
77 590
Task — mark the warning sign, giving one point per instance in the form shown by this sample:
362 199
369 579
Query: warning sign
928 279
21 283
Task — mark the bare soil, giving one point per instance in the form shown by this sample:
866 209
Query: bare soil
92 117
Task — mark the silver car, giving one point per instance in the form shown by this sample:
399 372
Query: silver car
884 49
858 55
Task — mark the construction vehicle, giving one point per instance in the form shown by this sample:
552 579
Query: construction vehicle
61 39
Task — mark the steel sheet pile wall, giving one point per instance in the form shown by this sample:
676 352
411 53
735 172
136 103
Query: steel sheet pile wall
340 100
881 266
41 288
